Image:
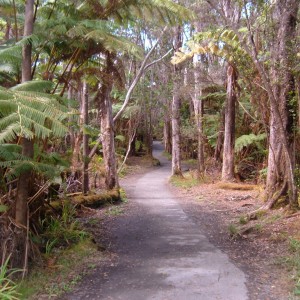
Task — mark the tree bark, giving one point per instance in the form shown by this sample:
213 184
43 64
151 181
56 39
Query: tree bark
229 132
280 177
167 134
27 145
220 139
85 139
198 110
25 179
107 128
176 159
279 88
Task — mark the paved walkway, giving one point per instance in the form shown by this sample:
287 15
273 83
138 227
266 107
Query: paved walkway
163 255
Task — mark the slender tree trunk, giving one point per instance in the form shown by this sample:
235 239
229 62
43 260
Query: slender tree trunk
107 129
198 110
149 134
25 179
229 134
85 139
167 134
220 139
71 130
27 145
176 159
76 155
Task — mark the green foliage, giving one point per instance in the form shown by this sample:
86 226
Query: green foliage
30 114
293 262
185 182
247 140
47 164
62 231
211 128
90 130
69 265
233 230
120 138
7 286
216 96
222 43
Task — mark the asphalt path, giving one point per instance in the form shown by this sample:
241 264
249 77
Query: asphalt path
162 254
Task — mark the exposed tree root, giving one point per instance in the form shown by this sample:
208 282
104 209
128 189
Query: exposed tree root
270 203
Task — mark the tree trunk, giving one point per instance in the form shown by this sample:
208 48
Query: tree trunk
176 159
25 179
167 134
220 139
85 139
77 140
280 177
107 128
198 110
229 133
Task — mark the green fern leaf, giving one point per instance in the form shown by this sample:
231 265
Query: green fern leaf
247 140
34 86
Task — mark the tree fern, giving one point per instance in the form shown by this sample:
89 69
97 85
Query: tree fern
30 114
222 43
247 140
49 165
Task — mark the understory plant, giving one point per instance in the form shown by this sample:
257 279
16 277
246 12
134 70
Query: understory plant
63 230
7 286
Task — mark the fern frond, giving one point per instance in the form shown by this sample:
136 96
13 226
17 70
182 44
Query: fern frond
34 86
247 140
28 115
11 54
217 96
10 152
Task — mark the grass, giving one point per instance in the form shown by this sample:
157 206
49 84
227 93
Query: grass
8 288
243 220
64 270
292 261
185 182
123 196
233 230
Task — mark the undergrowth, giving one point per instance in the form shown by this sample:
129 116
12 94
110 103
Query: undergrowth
293 262
62 273
8 288
61 231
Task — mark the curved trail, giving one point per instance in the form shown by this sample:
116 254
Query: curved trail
162 254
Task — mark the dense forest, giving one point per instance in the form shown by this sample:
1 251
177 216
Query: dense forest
86 84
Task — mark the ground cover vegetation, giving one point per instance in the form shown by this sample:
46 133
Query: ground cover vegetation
86 84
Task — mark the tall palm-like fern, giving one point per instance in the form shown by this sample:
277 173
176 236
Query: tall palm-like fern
27 111
29 114
222 43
